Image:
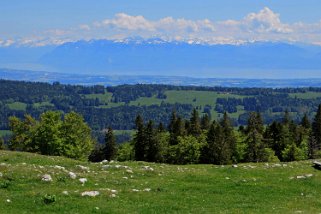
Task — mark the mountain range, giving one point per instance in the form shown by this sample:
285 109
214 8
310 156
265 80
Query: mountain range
169 58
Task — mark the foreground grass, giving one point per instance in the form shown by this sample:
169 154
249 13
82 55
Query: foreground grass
249 188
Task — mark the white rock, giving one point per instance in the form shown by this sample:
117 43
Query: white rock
113 191
106 166
148 168
129 171
46 178
104 161
135 190
1 174
113 196
90 193
59 167
83 180
8 200
227 178
65 192
147 189
125 178
72 175
84 168
308 175
300 176
234 166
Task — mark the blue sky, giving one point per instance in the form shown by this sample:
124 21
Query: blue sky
57 21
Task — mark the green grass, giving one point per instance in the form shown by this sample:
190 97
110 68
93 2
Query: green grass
250 188
42 104
102 97
17 106
307 95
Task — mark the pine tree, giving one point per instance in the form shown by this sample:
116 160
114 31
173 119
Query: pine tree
172 121
305 122
177 130
286 117
315 140
139 140
254 138
151 142
205 122
110 149
229 136
161 127
195 127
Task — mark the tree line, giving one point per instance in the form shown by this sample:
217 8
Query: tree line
200 140
196 140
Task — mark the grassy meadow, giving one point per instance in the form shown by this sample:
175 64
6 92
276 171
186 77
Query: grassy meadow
140 187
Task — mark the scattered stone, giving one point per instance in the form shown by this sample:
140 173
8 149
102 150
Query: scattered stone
72 175
148 168
97 208
234 166
125 178
90 193
106 166
84 168
129 171
65 192
227 178
308 175
83 180
104 161
147 190
59 167
8 201
1 174
46 178
300 176
113 196
135 190
113 191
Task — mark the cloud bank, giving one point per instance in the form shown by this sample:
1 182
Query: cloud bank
264 25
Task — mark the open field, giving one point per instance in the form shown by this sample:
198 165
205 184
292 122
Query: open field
129 187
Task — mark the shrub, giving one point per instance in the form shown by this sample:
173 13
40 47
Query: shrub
48 199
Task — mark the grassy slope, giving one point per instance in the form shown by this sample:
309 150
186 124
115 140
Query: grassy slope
174 189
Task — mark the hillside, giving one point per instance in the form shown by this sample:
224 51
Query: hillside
132 187
118 106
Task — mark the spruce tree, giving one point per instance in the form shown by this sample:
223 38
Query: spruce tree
195 127
110 148
2 146
177 130
139 140
315 140
254 138
205 122
305 122
229 136
151 142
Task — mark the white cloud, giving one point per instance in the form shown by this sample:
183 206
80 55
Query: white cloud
265 25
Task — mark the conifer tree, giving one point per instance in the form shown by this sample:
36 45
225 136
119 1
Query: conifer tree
110 148
195 127
315 139
254 139
305 122
205 122
139 140
229 135
151 142
177 130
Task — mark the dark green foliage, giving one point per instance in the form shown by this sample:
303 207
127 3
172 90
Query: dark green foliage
49 199
254 138
305 122
110 149
140 142
205 122
194 125
151 142
2 146
315 140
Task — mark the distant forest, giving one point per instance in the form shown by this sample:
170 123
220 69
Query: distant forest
118 106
